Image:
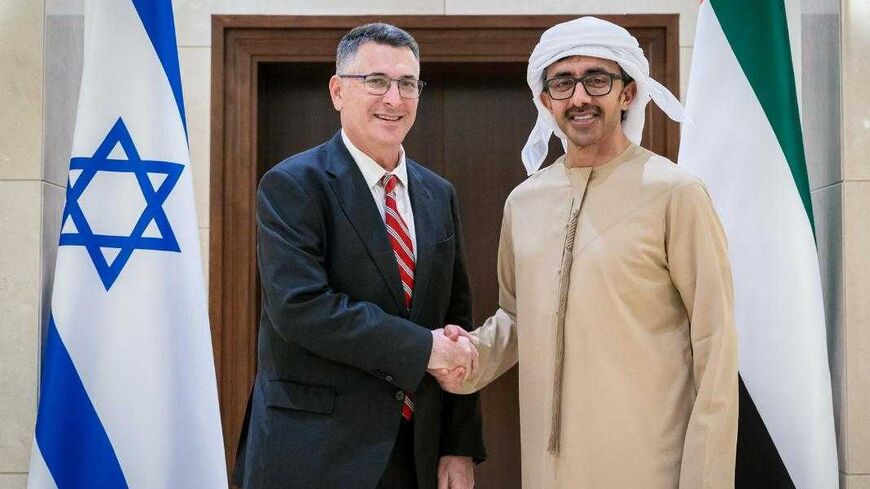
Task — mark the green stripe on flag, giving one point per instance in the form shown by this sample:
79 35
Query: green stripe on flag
758 34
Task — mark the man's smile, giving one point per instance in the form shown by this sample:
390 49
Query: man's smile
583 117
389 117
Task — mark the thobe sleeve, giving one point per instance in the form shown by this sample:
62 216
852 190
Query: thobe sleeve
700 270
496 340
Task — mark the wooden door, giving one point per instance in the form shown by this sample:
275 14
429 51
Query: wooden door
473 119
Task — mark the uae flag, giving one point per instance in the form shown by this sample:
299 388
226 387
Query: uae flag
745 143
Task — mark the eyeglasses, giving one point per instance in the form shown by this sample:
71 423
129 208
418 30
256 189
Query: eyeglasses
595 84
380 85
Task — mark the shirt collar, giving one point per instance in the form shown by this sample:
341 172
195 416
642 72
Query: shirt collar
371 171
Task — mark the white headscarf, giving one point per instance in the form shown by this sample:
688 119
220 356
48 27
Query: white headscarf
590 36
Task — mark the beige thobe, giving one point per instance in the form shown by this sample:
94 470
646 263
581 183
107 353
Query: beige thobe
649 389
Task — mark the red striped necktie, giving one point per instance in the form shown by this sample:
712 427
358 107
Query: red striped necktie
400 237
403 248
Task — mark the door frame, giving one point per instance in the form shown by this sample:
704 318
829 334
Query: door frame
239 44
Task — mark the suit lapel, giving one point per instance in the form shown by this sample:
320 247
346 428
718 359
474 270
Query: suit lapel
424 219
356 201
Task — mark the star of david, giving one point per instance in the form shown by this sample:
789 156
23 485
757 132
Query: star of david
99 246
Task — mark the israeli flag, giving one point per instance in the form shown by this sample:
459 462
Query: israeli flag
128 397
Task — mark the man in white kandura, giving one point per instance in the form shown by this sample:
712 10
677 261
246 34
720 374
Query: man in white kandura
615 288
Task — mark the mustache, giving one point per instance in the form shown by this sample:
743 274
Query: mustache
583 109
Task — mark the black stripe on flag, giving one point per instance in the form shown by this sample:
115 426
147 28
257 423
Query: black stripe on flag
759 465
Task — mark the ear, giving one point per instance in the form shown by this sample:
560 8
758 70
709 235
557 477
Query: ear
335 92
545 99
628 94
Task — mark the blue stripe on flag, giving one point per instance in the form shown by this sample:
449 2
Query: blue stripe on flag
71 438
156 16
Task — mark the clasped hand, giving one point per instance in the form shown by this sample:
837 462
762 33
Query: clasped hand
454 358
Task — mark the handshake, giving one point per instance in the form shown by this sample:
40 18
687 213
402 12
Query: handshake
453 359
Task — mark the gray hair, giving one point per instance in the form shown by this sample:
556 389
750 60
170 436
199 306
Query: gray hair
379 33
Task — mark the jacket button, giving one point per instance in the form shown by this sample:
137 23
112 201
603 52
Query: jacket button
388 378
400 396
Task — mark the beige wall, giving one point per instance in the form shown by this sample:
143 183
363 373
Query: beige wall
852 190
41 39
22 189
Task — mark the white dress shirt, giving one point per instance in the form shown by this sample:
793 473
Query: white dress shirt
373 173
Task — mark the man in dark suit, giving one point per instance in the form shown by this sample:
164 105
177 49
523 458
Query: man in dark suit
361 258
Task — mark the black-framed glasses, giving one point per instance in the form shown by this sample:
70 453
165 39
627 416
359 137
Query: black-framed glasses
595 84
380 85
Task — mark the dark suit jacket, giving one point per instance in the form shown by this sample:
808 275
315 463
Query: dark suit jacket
337 346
